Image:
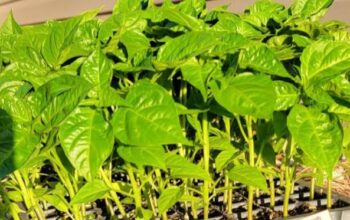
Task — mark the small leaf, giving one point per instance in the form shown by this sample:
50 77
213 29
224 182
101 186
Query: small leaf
182 168
169 197
223 158
96 189
249 176
143 156
286 94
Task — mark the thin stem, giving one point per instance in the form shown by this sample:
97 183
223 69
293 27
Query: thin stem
329 192
137 191
206 155
251 163
114 195
272 191
242 129
312 184
228 193
286 195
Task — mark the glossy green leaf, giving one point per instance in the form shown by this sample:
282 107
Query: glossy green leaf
55 100
286 94
323 61
87 140
91 191
318 134
249 176
10 26
197 75
246 95
98 71
143 156
169 197
150 120
182 168
261 58
308 8
231 22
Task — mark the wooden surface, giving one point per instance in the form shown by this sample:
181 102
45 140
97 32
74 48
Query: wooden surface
36 11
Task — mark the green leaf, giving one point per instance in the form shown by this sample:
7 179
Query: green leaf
246 95
56 197
91 191
231 22
135 42
223 158
323 61
150 120
249 176
60 36
143 156
56 99
87 140
261 58
98 71
308 8
186 46
286 94
10 26
197 75
17 143
182 168
169 197
157 14
318 134
191 44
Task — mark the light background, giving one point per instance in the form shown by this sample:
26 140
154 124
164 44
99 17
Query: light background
36 11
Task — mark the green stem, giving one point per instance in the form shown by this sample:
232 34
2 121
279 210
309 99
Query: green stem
286 195
114 195
329 192
137 191
312 185
206 155
272 191
228 193
251 163
67 182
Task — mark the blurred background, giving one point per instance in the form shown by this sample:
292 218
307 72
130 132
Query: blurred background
37 11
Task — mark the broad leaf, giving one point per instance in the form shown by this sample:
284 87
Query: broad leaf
90 192
261 58
87 140
249 176
150 120
98 71
246 95
168 198
308 8
55 100
323 61
318 134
